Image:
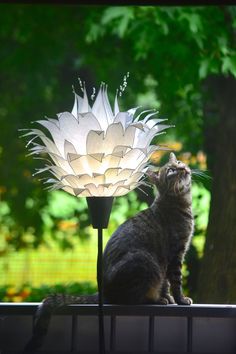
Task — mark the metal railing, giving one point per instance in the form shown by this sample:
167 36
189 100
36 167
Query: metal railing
128 329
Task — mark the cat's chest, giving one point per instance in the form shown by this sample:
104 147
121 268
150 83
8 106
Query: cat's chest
180 226
180 234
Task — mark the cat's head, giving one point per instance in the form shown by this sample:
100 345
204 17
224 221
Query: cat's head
174 178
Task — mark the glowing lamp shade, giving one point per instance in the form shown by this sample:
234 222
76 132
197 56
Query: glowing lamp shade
94 150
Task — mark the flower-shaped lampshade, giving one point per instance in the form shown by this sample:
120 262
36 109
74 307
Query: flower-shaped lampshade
94 150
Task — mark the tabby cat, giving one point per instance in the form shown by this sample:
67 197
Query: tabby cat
143 258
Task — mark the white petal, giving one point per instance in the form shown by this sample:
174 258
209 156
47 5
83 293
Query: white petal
141 113
54 121
162 127
69 190
87 123
138 125
59 161
96 191
135 178
155 121
99 110
122 190
149 115
129 136
142 167
81 165
132 111
120 150
72 181
113 188
95 142
68 149
111 175
116 106
89 120
72 131
71 156
143 139
109 161
98 156
124 118
85 105
77 105
55 133
132 159
87 164
125 173
85 179
117 153
83 192
107 106
114 136
51 147
57 171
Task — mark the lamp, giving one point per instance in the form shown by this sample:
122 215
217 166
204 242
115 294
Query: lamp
98 153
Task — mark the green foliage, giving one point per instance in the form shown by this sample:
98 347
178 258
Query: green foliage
65 217
176 46
169 52
201 202
27 293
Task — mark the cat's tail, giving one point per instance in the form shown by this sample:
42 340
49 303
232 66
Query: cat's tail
45 311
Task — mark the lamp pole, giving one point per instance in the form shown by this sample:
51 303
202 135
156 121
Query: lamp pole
100 209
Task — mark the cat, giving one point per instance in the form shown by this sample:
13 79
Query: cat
145 254
143 258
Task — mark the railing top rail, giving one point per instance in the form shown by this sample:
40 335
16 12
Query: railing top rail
195 310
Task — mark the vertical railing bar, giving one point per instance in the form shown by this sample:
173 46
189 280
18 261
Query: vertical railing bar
2 320
33 318
151 335
189 334
73 333
113 334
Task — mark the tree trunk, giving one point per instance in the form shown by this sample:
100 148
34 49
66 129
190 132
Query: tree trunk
217 279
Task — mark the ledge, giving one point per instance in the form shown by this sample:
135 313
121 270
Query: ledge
194 310
198 328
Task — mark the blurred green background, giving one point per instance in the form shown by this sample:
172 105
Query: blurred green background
182 61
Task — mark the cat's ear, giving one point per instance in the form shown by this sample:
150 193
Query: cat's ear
153 176
172 157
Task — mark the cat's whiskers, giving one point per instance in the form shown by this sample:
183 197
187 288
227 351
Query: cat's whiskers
200 174
141 190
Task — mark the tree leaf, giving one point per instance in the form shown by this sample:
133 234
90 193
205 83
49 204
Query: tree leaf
124 14
204 68
229 65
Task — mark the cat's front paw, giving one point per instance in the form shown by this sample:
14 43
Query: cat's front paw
170 299
184 300
162 301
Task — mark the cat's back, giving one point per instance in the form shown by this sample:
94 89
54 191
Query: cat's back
138 232
133 227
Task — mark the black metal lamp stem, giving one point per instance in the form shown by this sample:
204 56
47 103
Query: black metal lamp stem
100 292
100 208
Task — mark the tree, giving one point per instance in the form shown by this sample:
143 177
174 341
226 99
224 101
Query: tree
39 62
191 52
217 277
